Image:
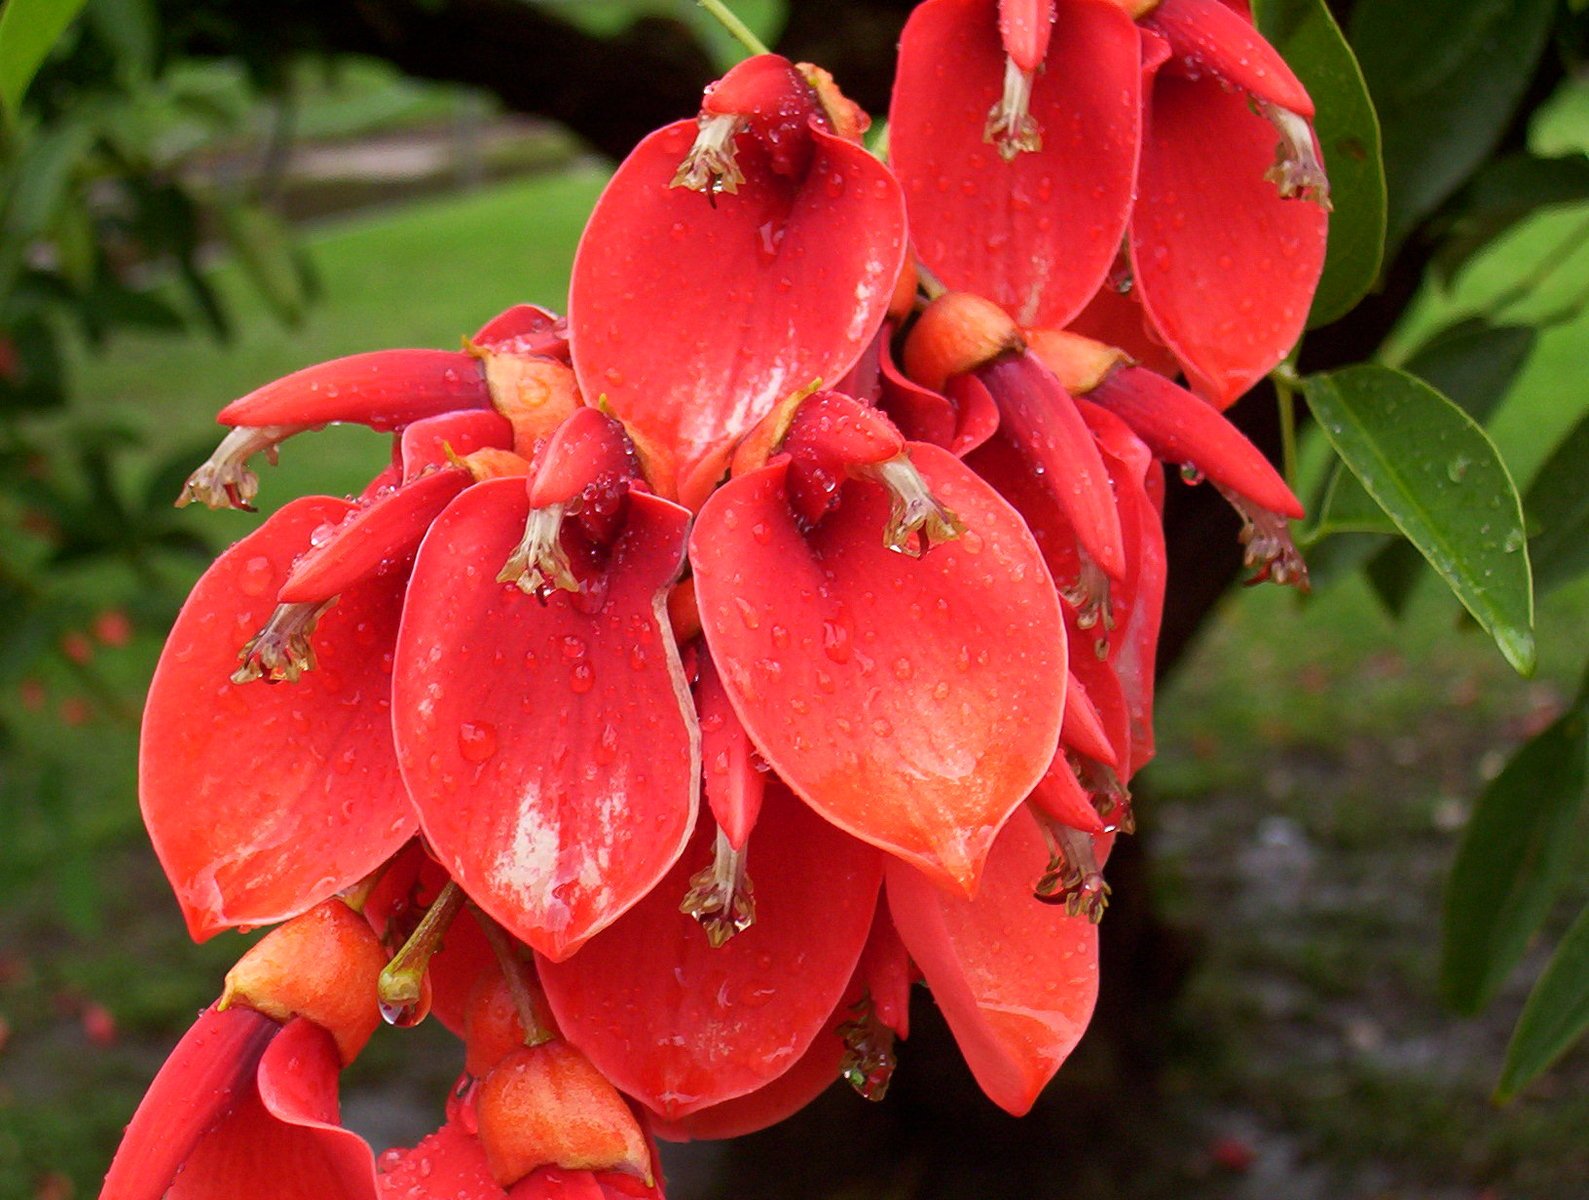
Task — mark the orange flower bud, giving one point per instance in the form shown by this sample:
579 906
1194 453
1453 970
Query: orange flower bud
957 333
322 965
1079 363
548 1105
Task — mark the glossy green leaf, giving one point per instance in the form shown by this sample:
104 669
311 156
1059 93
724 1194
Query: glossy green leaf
28 29
1346 508
1556 1014
1514 854
1557 505
1475 364
1446 79
1440 479
1348 131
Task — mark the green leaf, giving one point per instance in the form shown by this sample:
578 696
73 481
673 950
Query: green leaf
1557 504
1346 508
1446 79
28 28
1307 36
1440 479
1503 193
1555 1016
1475 364
1514 854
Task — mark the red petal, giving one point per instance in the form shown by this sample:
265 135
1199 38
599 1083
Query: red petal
211 1067
1139 605
1036 235
384 389
1039 418
1225 267
1016 979
694 320
1116 319
816 1071
526 329
1207 36
450 1164
886 973
373 537
680 1025
735 780
435 441
1180 428
550 746
912 702
281 1142
1083 730
1024 27
262 800
1062 797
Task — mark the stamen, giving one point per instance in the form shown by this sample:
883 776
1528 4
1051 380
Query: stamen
868 1063
1089 596
1011 128
281 651
540 563
916 521
1297 171
1270 550
1109 795
720 897
709 167
401 984
1072 877
224 480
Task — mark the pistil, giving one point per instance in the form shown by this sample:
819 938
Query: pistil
1270 550
1072 877
540 564
1297 171
721 897
281 652
1011 128
916 521
709 167
224 480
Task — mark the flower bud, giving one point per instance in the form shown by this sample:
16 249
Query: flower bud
548 1106
958 333
322 965
1079 363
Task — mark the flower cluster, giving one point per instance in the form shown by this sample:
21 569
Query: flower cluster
835 501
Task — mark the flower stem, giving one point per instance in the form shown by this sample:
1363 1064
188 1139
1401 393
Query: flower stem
1286 381
401 982
740 31
512 967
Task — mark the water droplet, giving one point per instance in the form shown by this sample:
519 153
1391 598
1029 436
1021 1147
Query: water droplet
1457 468
582 678
836 641
256 576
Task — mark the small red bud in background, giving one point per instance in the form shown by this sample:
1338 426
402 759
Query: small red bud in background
99 1026
75 711
76 646
1232 1154
113 627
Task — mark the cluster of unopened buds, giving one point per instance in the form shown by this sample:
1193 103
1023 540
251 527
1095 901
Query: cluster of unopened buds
836 498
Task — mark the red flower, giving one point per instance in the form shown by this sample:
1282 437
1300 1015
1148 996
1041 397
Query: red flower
246 1106
897 622
1030 135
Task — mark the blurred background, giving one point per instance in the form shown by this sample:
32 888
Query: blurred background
199 197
